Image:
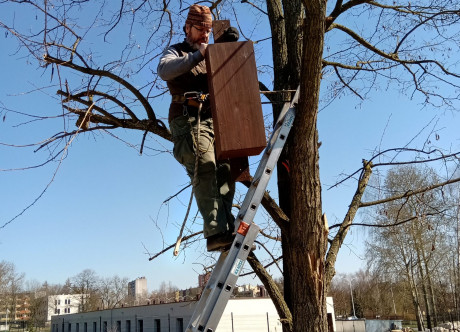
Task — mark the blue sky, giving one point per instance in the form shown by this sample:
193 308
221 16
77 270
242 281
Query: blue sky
102 209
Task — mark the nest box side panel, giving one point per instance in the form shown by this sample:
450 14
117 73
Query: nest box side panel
235 100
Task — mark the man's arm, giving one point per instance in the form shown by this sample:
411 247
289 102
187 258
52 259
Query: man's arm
172 65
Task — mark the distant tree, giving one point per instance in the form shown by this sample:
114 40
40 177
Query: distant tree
340 292
113 291
11 285
165 293
67 287
86 284
416 247
38 305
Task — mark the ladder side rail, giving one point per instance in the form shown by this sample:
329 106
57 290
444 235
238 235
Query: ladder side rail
281 117
205 295
255 193
212 317
282 129
252 201
217 292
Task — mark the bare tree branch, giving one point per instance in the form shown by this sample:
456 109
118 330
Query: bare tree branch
409 193
273 290
185 238
104 73
337 242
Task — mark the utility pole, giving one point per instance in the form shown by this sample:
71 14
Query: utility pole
393 298
351 292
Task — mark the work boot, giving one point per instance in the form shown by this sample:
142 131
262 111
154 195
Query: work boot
220 242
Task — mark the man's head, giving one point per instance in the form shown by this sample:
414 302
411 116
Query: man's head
198 25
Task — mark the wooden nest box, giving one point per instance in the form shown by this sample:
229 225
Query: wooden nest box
235 99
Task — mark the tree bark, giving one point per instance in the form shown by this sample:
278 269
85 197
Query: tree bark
413 289
431 297
306 241
417 245
284 15
345 226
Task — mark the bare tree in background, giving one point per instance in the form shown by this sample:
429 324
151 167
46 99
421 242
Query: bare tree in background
113 291
355 47
416 247
11 286
86 284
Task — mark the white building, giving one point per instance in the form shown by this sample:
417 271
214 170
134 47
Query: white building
4 322
64 304
253 314
137 289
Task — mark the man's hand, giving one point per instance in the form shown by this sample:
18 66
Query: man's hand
203 48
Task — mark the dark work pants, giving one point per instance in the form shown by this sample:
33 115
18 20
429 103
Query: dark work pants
215 189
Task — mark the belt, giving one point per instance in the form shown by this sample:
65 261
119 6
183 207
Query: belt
185 101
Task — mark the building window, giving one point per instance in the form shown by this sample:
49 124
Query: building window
69 327
179 325
68 310
118 326
140 325
59 302
59 311
77 327
157 325
85 327
128 326
94 326
105 327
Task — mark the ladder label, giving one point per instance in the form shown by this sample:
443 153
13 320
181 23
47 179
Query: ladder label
243 228
237 266
289 121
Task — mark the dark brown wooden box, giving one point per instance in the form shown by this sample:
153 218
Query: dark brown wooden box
235 100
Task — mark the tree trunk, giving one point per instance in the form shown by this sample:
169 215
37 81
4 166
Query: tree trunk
285 15
417 239
413 289
415 300
454 283
279 47
431 297
306 242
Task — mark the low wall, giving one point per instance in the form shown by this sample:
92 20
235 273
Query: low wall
366 325
350 325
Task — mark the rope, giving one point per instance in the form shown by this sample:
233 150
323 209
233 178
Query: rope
194 180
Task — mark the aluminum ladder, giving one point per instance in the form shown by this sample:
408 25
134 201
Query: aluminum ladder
223 279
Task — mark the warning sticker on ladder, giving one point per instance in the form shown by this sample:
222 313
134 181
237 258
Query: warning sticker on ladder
237 267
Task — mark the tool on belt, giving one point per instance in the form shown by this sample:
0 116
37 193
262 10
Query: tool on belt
192 98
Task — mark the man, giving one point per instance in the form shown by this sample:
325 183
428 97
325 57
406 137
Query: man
183 68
